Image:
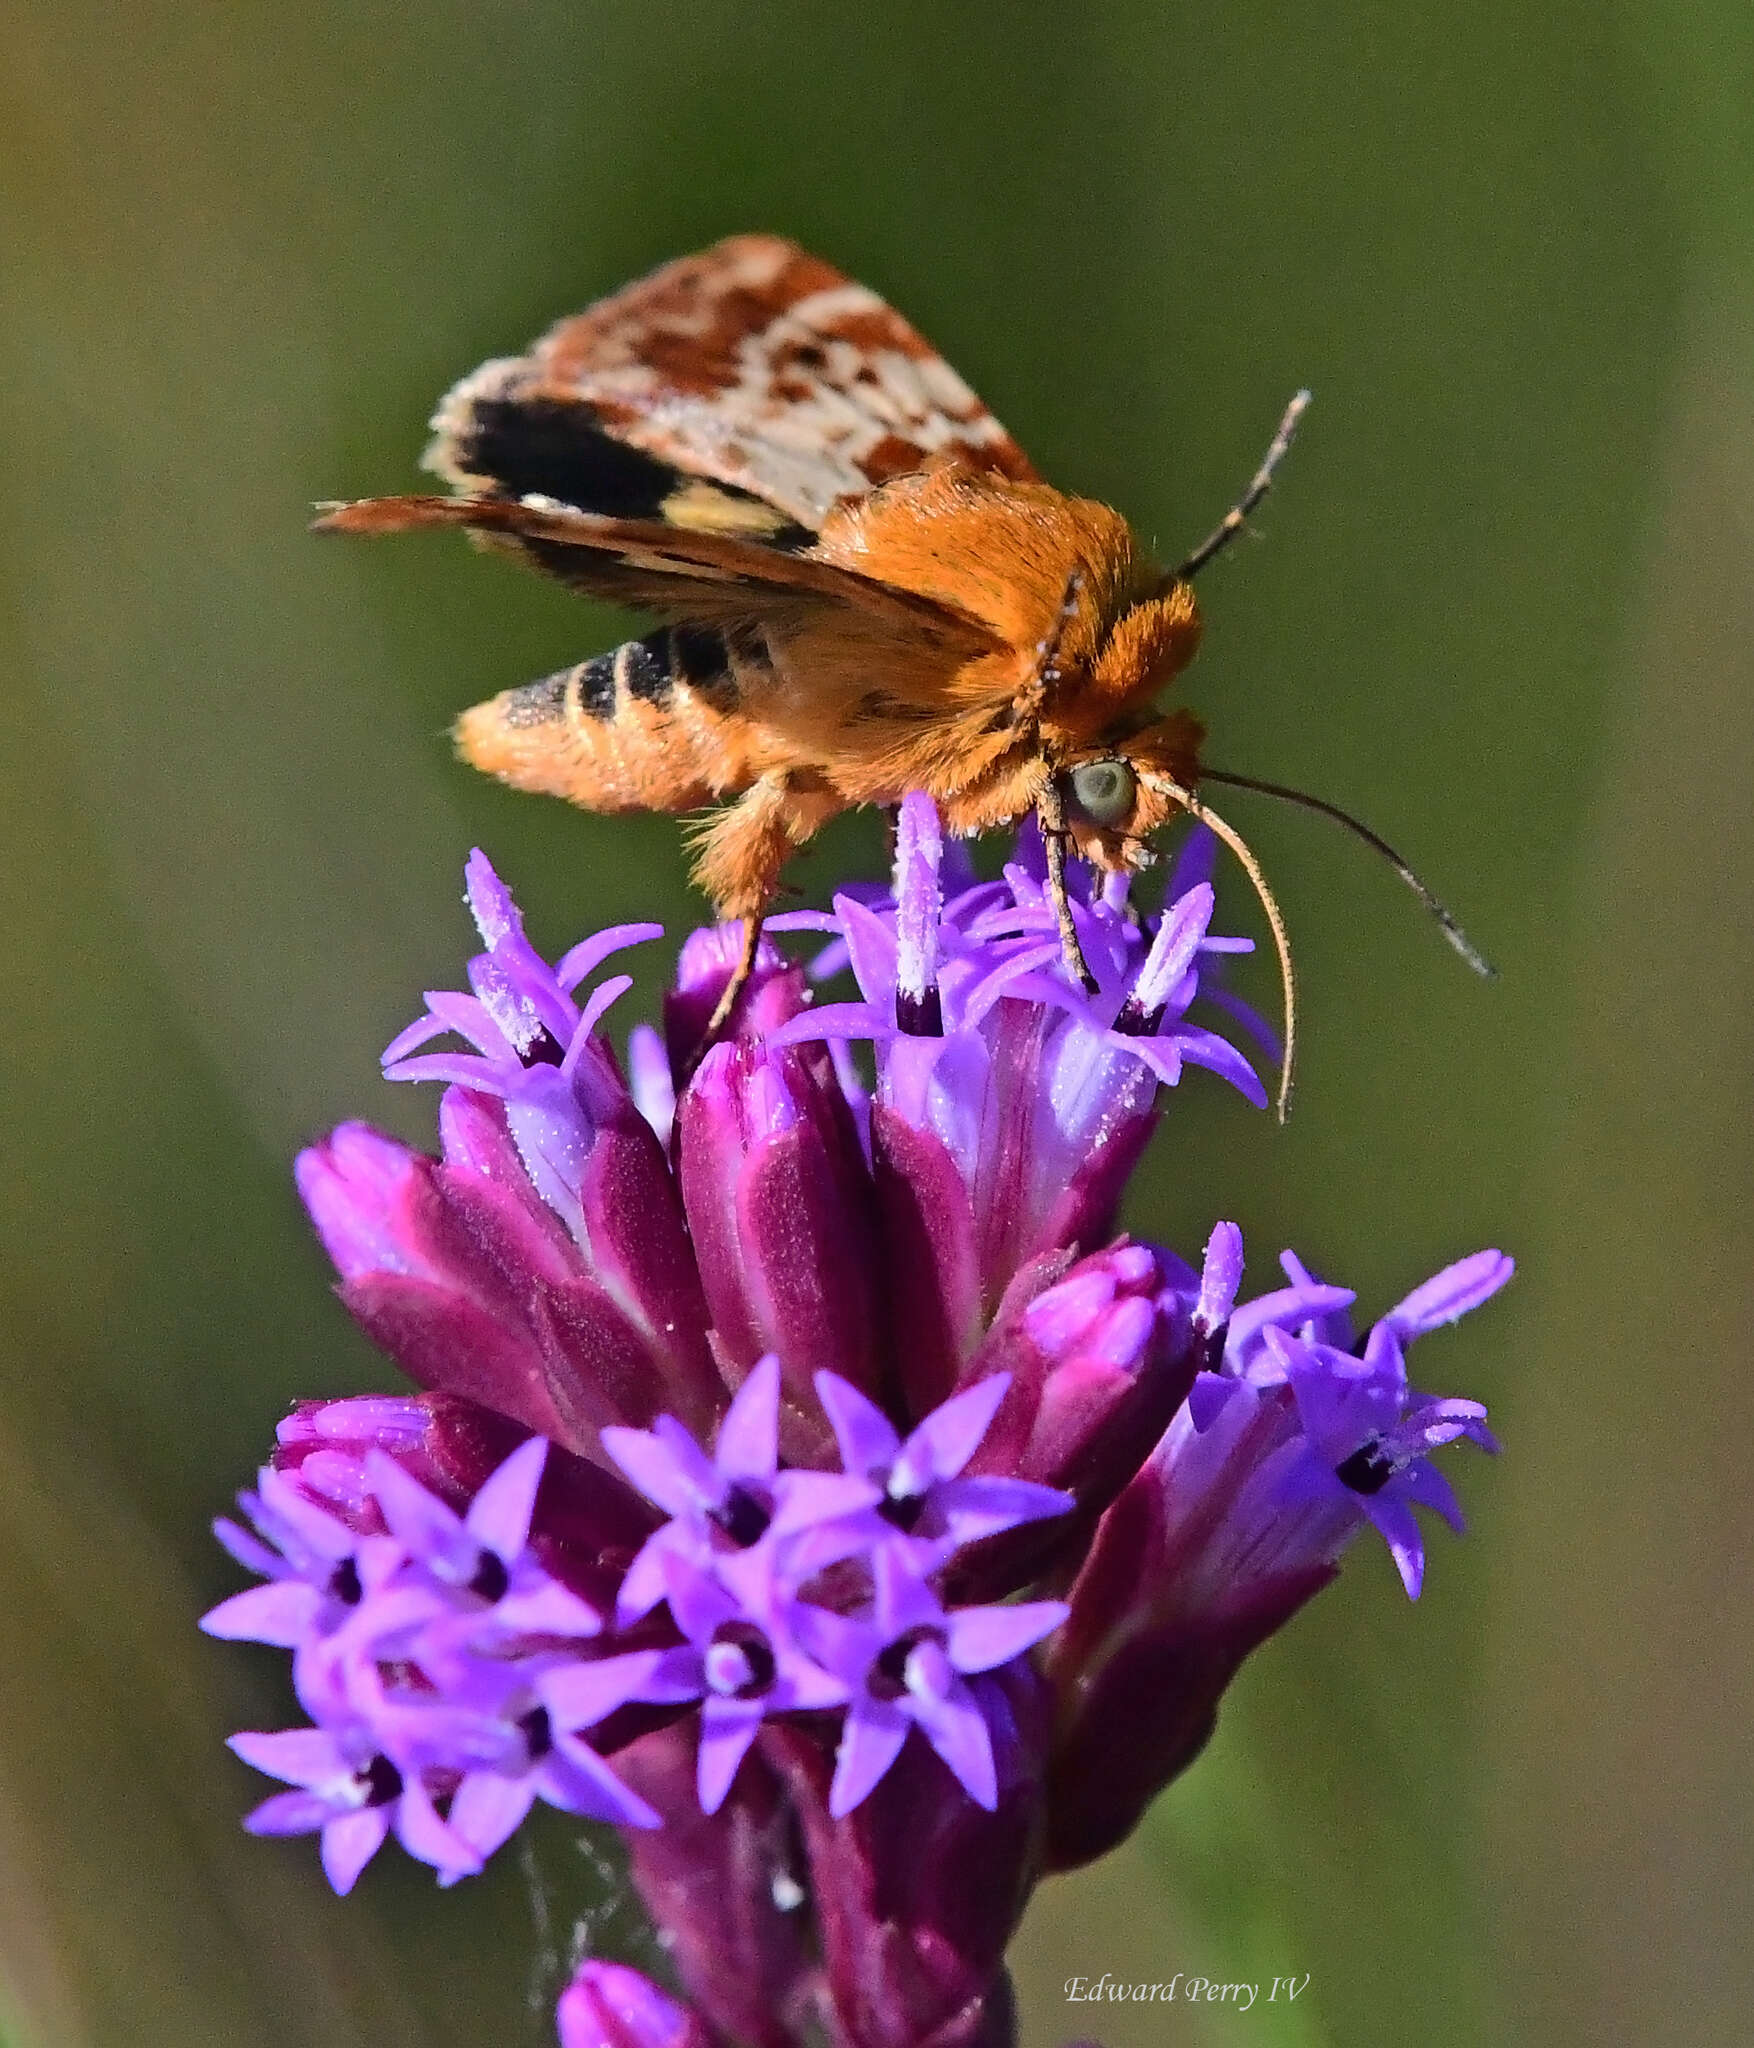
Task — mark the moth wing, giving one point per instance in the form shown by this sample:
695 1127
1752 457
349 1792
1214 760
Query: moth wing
746 390
707 578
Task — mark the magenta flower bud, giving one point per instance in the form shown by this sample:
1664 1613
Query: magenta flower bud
478 1288
727 1888
774 995
918 1890
779 1203
609 2005
588 1524
1099 1362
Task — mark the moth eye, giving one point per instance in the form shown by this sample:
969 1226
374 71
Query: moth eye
1104 791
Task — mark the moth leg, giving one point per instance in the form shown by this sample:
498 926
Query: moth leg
727 1002
1050 811
741 854
891 829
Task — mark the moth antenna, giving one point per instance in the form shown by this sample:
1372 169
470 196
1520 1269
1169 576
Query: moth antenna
1451 930
1260 484
1275 923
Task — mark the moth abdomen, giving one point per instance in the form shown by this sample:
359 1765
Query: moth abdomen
649 725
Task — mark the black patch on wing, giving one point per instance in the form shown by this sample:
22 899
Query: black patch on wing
557 449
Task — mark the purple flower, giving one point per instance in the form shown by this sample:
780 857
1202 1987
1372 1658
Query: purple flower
1241 1513
432 1658
923 1494
740 1662
603 1559
608 2005
731 1502
1010 1106
1360 1439
352 1794
904 1666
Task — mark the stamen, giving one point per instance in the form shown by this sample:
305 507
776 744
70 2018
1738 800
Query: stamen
919 897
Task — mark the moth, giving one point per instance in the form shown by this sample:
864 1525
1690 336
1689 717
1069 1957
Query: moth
864 587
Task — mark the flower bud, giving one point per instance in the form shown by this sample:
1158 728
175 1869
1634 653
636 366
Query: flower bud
726 1890
918 1890
774 994
779 1204
477 1287
1099 1362
608 2005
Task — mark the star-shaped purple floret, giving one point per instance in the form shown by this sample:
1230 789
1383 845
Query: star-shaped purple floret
729 1502
482 1557
739 1660
1368 1437
534 1045
317 1568
922 1495
905 1665
354 1795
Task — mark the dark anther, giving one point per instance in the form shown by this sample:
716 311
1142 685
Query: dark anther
1211 1344
741 1518
902 1513
491 1577
919 1016
538 1733
757 1653
1133 1022
382 1781
1367 1471
344 1583
888 1679
544 1050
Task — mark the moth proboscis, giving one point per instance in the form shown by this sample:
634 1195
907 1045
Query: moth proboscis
864 588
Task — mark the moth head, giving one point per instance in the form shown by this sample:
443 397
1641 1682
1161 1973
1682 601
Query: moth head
1118 795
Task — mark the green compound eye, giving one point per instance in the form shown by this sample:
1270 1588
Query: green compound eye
1104 791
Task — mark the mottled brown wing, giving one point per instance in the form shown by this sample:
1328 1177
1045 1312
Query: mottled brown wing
745 391
707 578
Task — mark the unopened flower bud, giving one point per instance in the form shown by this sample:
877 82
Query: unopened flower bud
779 1203
609 2005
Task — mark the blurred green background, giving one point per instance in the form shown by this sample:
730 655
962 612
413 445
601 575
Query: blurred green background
1503 604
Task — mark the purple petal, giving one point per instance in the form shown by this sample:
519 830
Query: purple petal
727 1728
1449 1295
748 1444
350 1843
499 1515
280 1614
1394 1521
957 1730
419 1521
869 1743
299 1756
671 1469
582 1694
589 954
949 1437
867 1440
577 1780
982 1638
1426 1485
488 1808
